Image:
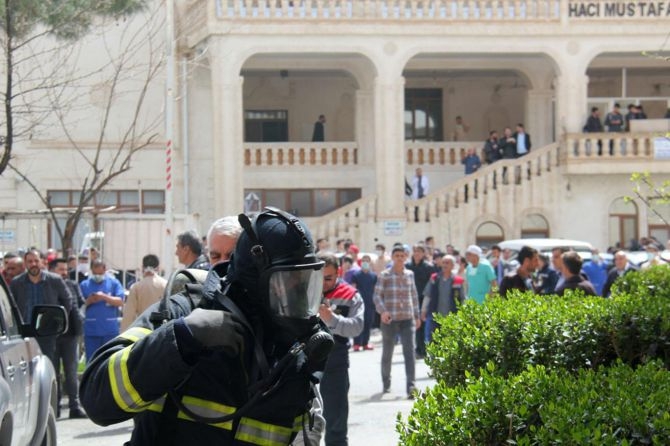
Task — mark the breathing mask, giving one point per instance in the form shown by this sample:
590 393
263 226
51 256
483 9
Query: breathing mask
274 260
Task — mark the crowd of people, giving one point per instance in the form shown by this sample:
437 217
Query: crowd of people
251 268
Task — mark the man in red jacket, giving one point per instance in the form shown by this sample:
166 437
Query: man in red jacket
342 311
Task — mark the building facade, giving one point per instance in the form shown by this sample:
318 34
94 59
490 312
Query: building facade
390 78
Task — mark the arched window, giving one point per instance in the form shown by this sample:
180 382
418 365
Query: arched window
534 226
622 223
489 233
657 221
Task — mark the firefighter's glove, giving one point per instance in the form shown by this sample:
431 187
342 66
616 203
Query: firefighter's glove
216 330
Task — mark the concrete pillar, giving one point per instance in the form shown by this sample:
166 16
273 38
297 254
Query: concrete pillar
571 95
227 137
389 145
364 134
539 116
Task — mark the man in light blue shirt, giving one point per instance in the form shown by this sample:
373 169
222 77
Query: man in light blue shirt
523 143
479 275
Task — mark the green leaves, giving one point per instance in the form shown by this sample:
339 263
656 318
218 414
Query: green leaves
67 19
608 406
535 370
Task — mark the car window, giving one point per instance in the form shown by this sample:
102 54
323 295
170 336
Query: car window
9 326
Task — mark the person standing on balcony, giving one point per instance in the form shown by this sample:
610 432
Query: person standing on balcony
593 125
420 187
492 152
614 122
461 130
507 149
319 134
522 139
472 163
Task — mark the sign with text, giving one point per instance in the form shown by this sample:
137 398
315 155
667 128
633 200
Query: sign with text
662 148
7 235
618 9
393 227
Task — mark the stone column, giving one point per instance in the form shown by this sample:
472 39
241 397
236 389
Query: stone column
364 134
227 137
571 104
389 145
539 116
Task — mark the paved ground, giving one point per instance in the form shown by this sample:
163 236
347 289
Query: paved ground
372 415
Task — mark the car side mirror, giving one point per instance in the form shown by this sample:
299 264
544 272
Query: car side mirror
48 320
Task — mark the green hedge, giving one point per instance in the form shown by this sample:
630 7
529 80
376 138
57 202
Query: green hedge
615 405
571 332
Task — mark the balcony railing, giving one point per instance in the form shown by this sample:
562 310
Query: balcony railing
483 10
629 146
501 174
438 153
300 154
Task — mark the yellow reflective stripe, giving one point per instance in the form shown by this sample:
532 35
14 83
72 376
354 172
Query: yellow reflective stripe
262 434
125 394
207 409
134 334
157 405
297 423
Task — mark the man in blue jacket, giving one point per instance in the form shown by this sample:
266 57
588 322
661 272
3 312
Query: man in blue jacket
104 296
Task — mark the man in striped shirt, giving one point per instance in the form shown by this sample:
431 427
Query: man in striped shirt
396 300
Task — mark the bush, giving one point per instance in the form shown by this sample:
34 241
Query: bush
571 332
616 405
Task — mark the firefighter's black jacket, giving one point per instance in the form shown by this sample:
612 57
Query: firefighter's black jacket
131 375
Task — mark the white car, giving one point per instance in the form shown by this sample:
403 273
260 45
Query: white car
546 245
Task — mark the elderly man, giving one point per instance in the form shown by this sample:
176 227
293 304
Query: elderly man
621 267
480 278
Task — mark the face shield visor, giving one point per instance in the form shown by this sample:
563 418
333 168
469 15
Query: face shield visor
295 291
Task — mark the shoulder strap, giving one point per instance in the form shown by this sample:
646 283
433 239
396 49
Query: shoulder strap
187 282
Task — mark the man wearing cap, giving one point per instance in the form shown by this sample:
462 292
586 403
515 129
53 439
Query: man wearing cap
479 275
352 252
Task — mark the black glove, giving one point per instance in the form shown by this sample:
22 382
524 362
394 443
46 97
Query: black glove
216 329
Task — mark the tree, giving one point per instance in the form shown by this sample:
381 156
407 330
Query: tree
651 193
24 24
60 95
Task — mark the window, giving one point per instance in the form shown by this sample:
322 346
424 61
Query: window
488 234
657 221
423 114
266 126
534 226
152 201
305 202
118 201
622 223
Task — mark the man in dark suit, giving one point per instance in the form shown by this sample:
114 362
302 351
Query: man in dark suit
319 132
37 287
621 267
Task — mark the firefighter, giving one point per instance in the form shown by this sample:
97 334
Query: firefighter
237 370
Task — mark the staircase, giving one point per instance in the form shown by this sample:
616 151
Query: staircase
498 193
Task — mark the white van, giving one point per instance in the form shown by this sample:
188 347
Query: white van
546 245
